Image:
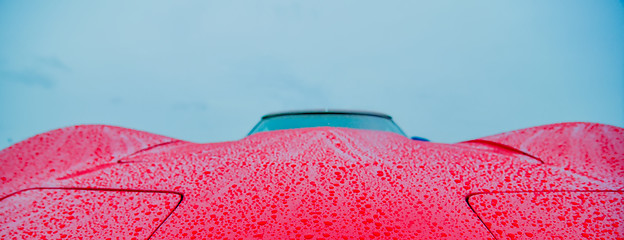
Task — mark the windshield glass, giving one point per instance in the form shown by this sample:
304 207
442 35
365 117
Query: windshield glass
326 120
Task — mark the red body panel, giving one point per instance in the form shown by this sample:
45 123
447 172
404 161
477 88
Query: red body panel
64 213
591 150
326 183
548 215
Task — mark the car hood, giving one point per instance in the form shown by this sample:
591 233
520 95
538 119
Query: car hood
316 183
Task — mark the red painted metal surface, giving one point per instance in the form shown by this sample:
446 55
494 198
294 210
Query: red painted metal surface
72 213
590 150
552 215
323 183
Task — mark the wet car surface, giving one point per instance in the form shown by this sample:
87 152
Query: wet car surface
315 183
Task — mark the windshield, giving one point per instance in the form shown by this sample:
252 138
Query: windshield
326 120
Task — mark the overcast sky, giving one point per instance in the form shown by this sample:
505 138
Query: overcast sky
207 71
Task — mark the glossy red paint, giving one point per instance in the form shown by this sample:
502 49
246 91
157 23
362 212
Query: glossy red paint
552 215
65 213
331 183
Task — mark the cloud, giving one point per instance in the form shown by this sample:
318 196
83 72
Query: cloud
29 77
273 79
38 74
189 106
53 63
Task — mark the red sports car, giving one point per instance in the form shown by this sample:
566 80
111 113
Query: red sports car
315 175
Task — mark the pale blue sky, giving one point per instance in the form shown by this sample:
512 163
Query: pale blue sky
206 71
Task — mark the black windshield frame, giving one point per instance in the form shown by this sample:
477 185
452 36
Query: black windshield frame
360 120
